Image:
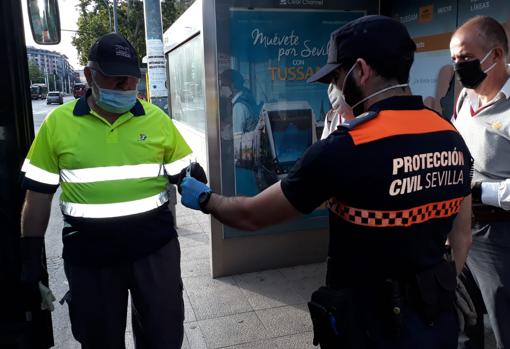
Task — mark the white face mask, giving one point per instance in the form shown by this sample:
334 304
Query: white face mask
338 103
483 60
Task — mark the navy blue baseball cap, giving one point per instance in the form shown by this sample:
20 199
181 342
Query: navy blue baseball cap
113 55
372 38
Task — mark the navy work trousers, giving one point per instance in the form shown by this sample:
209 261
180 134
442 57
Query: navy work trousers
99 300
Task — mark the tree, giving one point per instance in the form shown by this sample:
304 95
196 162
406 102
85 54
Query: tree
94 21
35 74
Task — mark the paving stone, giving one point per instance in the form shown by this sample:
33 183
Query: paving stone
231 330
304 271
215 297
268 289
286 320
194 335
195 252
196 267
296 341
191 240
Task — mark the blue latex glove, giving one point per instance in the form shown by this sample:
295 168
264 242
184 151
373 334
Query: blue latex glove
190 192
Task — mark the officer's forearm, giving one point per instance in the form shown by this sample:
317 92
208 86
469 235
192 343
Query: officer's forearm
460 236
233 211
251 213
35 214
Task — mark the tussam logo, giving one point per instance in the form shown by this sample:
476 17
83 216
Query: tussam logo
142 137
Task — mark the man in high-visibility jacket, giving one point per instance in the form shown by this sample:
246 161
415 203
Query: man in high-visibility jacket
397 183
110 153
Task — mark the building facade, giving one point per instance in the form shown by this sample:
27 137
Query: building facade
59 74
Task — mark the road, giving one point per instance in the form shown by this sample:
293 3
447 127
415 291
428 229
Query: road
40 109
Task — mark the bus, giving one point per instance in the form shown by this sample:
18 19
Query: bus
38 91
79 90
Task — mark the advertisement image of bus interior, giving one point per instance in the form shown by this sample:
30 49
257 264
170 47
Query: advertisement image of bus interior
291 130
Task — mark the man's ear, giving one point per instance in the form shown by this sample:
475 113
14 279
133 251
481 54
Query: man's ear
364 71
499 54
88 75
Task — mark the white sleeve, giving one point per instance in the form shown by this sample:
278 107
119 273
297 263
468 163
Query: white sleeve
240 114
496 194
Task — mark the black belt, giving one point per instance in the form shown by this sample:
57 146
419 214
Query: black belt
487 213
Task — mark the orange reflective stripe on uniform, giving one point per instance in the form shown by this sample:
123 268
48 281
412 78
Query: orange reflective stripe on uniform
397 122
402 218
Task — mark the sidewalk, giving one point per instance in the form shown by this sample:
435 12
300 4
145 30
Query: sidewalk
256 310
249 311
264 310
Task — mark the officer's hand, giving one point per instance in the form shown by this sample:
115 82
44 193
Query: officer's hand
47 297
464 306
193 170
190 190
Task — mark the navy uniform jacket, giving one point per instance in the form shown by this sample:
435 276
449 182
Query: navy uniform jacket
393 179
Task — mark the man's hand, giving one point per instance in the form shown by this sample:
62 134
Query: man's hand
47 297
191 190
192 170
31 270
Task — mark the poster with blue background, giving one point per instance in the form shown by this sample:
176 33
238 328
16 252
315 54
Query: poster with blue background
275 114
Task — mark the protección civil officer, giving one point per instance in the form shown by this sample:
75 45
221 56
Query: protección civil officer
387 283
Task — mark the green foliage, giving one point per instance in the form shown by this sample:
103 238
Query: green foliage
34 73
94 21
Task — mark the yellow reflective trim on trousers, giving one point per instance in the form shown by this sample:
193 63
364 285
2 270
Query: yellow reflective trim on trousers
111 173
117 209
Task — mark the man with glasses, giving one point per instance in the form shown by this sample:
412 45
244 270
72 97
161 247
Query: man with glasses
479 49
109 152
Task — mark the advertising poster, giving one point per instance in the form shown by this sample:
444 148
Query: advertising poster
270 114
431 25
499 9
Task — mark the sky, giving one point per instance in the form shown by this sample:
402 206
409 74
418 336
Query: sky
68 19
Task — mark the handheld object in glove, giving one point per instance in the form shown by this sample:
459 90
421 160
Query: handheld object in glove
192 170
195 194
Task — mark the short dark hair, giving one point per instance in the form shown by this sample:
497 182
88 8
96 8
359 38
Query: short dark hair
232 77
492 32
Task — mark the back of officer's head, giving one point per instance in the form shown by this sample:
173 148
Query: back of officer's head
382 42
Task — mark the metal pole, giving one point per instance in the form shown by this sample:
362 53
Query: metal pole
115 23
155 54
156 68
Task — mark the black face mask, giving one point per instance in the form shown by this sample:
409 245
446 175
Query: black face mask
469 73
